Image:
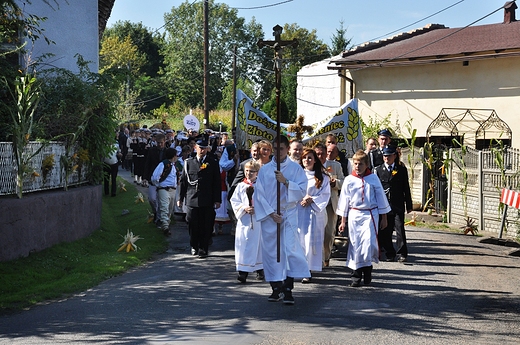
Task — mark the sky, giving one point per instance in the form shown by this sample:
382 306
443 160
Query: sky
364 20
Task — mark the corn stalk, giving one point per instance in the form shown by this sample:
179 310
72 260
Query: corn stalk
26 96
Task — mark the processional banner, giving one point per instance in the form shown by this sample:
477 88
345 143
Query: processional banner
253 124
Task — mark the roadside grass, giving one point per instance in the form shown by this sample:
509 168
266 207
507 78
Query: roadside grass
69 268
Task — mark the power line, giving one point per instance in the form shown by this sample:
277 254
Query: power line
258 7
436 41
418 21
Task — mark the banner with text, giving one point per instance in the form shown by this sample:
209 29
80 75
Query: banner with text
253 124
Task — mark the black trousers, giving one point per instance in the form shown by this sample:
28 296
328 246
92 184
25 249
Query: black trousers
357 274
110 175
395 222
200 226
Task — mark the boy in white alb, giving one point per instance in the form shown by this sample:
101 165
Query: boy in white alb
248 252
361 201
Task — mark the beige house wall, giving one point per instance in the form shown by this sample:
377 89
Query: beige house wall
420 92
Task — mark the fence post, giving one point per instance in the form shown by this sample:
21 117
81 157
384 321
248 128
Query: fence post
449 176
480 191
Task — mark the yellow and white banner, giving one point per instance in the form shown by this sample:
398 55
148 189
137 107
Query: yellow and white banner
253 124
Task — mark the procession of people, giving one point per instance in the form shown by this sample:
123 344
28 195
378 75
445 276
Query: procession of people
322 195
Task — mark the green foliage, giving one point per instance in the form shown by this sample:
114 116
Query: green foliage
76 107
370 128
340 42
148 44
130 54
459 160
270 109
227 94
16 28
69 268
26 96
183 51
409 140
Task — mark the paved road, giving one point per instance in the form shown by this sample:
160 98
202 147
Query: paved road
453 290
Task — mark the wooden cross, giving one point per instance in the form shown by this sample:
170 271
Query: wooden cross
278 44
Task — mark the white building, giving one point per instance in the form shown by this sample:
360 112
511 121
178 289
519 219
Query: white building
74 26
417 75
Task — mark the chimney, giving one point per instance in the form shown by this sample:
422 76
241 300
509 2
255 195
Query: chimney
509 12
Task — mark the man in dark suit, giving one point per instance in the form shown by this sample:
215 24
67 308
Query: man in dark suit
394 178
375 157
200 188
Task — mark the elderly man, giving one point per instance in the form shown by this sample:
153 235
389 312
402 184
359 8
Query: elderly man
336 181
295 150
201 190
339 156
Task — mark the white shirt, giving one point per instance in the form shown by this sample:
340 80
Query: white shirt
171 179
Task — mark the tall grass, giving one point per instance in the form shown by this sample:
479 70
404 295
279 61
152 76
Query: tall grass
69 268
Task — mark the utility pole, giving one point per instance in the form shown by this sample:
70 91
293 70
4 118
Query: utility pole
206 65
278 45
233 124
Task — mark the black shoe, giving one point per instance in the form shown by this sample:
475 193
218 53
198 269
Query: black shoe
242 278
167 232
203 253
260 275
306 280
276 296
287 297
402 259
390 259
355 284
194 251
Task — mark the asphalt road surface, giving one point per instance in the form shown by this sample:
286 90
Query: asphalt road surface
453 290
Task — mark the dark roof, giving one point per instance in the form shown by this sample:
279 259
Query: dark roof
104 10
435 43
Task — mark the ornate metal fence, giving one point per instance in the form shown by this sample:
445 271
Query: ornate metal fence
41 179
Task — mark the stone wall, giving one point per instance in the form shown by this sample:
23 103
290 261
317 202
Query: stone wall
41 220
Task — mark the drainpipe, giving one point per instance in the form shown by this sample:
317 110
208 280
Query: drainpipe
342 87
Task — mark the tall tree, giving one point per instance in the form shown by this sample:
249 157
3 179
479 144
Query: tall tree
145 82
340 42
148 43
183 51
122 60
